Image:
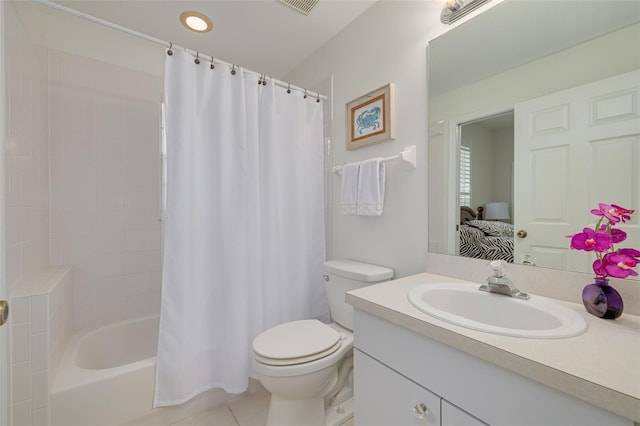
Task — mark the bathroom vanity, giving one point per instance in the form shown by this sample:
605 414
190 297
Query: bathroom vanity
414 369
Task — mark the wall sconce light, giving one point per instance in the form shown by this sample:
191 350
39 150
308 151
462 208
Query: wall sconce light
456 9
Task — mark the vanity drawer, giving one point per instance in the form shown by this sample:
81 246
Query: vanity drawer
453 416
384 397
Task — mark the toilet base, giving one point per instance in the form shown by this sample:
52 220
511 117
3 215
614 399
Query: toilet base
341 415
296 412
308 412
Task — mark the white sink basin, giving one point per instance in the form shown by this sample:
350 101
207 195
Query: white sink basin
466 306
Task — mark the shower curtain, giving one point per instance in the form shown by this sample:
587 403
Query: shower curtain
243 226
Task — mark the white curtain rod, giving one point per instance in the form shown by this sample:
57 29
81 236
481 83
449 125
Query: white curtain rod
166 44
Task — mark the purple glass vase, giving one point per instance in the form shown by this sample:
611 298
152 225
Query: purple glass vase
602 300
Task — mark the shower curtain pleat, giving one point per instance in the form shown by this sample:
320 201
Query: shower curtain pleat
243 226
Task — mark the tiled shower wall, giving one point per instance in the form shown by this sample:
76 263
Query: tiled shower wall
105 186
82 176
83 164
83 172
26 170
40 328
27 146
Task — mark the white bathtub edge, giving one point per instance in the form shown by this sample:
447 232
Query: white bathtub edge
70 376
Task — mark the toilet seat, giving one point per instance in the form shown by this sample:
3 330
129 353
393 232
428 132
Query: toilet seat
296 342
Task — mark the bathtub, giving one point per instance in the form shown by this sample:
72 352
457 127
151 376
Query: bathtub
107 378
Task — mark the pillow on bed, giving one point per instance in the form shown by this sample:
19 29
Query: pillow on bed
466 214
492 229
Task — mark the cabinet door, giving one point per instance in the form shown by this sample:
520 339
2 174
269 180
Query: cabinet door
453 416
383 397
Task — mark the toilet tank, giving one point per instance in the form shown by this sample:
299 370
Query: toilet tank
346 275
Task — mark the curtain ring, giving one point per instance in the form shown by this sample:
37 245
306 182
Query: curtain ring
318 98
212 66
264 80
289 88
233 70
305 94
197 61
260 80
170 52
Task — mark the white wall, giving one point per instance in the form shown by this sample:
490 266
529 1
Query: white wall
503 175
26 173
105 186
82 160
559 71
480 139
387 43
82 165
491 164
26 170
106 89
80 37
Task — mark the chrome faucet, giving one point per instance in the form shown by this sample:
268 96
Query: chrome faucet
499 283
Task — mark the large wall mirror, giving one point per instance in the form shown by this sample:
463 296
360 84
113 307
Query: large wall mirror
534 119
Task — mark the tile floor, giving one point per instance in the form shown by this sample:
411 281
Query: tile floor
247 410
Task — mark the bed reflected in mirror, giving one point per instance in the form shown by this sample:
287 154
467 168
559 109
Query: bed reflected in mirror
485 175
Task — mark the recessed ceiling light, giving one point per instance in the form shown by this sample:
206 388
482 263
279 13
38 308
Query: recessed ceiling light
196 21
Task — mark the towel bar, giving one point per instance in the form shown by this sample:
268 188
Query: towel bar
408 157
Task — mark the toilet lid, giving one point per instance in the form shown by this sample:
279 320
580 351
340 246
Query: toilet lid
296 342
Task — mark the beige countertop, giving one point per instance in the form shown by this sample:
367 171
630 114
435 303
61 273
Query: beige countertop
601 366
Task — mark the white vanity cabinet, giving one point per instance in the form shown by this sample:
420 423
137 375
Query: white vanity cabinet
453 416
399 401
396 370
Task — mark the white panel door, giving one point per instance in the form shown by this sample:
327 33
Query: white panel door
573 150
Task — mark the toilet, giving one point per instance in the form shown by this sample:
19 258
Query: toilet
307 365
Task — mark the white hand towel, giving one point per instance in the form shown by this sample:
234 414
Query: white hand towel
371 179
349 188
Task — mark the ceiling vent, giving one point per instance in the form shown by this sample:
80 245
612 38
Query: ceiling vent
302 6
456 9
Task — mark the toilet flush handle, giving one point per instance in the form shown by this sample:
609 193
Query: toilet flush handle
326 277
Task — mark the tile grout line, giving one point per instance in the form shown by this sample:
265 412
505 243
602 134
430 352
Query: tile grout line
233 414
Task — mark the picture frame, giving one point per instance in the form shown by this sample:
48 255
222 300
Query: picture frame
370 118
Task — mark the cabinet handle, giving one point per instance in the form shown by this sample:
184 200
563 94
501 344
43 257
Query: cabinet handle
420 410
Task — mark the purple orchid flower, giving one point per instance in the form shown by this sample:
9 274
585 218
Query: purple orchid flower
610 262
613 212
590 240
630 252
619 265
617 235
599 269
